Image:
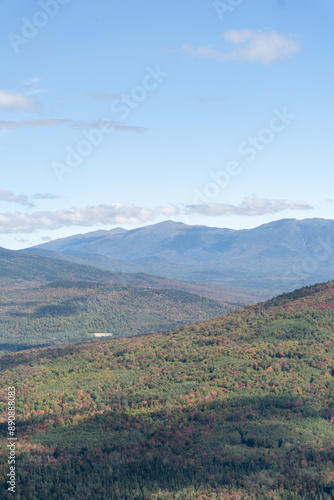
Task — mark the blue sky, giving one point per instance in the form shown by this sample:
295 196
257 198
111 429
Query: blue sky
129 113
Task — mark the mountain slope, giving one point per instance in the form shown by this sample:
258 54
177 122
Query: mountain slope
25 270
237 407
20 266
66 311
280 255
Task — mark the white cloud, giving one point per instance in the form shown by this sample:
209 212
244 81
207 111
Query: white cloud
45 196
75 124
256 46
115 213
23 199
10 101
169 211
250 206
12 198
8 124
127 213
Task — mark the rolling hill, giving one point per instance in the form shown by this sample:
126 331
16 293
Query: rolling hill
68 311
241 406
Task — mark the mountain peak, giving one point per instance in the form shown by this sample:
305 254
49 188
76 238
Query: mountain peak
117 230
169 223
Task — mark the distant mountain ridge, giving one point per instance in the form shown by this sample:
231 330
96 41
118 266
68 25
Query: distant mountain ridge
277 255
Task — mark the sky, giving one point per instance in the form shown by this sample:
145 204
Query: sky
129 113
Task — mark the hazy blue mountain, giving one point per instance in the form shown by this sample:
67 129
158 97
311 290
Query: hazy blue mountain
26 270
21 266
278 256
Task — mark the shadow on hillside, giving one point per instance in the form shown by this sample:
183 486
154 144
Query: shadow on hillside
22 357
181 449
16 348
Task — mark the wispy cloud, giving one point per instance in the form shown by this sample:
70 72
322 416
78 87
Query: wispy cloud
75 124
45 196
10 197
10 101
31 86
250 206
31 81
253 46
114 213
23 199
9 124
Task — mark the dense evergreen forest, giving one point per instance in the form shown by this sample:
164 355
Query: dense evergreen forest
237 407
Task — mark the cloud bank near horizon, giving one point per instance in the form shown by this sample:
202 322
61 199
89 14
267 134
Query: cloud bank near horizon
251 206
128 213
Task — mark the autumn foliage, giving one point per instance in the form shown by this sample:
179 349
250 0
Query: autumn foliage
237 407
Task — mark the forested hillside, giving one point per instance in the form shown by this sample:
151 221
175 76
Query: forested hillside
237 407
69 311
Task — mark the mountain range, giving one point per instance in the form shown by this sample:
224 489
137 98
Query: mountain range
49 294
279 256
